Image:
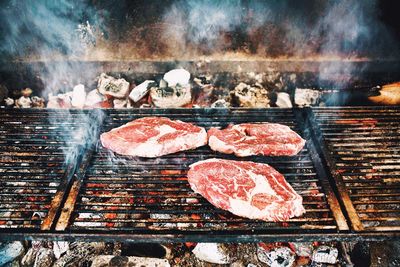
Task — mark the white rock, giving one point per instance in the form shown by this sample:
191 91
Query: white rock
120 103
24 102
283 100
251 96
93 98
108 85
306 97
78 96
140 91
9 101
303 249
177 76
10 251
325 254
59 248
211 252
110 260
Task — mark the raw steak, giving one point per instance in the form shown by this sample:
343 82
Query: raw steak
245 188
153 136
268 139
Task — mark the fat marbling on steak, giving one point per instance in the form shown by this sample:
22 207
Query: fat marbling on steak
245 188
153 136
246 139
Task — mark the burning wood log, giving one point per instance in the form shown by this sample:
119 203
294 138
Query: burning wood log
389 95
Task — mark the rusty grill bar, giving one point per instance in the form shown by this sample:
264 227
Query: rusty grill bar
99 195
362 149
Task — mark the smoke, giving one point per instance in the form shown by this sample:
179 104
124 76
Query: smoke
282 28
47 30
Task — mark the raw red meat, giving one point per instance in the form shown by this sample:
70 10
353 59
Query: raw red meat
245 188
268 139
153 136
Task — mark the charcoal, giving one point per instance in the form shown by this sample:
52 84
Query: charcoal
276 257
283 100
94 98
141 90
212 252
80 253
122 261
108 85
9 102
325 254
251 96
24 102
177 76
171 97
38 102
306 97
78 96
44 258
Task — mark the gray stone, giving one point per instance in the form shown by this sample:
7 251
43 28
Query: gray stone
122 261
10 251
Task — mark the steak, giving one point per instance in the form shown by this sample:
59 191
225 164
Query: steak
245 188
268 139
153 136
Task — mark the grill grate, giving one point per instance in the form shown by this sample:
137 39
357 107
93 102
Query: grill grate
32 164
96 195
363 151
152 196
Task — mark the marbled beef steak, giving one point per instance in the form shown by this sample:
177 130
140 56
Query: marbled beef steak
268 139
153 137
245 188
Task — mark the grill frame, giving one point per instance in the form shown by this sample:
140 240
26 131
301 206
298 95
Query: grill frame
64 209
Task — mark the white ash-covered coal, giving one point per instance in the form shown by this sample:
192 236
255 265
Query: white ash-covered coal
180 88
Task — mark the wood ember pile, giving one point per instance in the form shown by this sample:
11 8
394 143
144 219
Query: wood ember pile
176 88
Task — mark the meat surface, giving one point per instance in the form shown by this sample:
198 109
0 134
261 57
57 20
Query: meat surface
153 136
268 139
245 188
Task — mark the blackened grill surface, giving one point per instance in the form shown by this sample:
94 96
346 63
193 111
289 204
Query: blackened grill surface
152 196
362 147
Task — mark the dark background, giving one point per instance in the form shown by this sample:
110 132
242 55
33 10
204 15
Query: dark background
26 29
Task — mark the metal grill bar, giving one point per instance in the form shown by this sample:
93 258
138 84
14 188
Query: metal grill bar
361 146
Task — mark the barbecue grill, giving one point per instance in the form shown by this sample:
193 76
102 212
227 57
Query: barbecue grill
346 175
